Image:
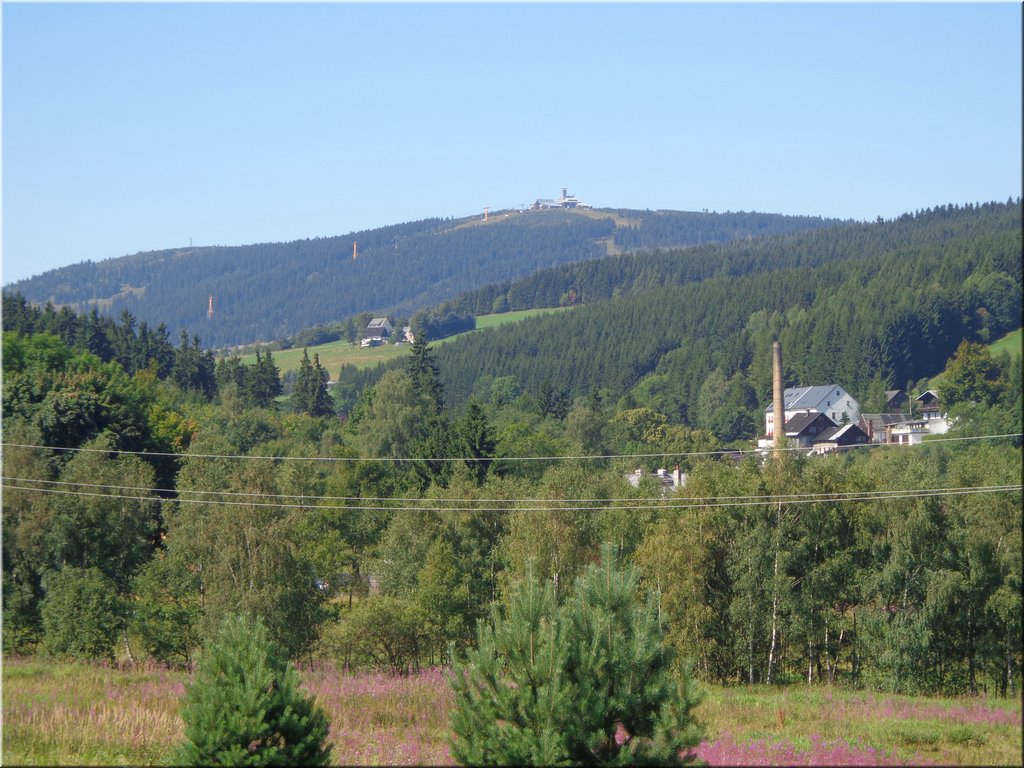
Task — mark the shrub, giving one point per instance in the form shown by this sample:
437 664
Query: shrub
385 633
82 614
244 707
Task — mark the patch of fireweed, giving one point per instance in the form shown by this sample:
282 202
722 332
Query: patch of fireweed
585 683
245 706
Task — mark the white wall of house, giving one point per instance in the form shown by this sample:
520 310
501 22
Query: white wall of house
834 401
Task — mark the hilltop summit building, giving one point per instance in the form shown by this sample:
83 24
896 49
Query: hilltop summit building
566 201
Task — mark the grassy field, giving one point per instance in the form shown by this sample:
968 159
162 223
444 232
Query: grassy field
1010 343
60 714
338 353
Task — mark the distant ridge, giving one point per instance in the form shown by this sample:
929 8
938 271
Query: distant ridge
866 304
270 291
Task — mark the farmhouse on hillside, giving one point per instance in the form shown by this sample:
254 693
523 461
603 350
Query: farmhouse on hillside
377 331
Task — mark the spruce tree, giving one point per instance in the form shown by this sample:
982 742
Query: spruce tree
585 683
244 707
476 440
310 394
322 403
426 376
263 381
304 394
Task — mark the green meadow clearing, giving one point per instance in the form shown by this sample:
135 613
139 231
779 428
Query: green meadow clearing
1010 343
80 714
337 353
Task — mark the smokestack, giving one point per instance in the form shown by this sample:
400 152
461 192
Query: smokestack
779 429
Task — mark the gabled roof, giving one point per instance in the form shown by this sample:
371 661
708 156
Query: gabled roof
801 421
835 434
378 322
895 398
796 398
928 395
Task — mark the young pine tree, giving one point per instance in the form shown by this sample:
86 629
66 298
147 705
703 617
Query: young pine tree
585 683
244 707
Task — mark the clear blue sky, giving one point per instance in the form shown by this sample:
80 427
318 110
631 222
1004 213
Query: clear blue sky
131 127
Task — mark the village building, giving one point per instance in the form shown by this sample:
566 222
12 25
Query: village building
932 413
895 400
804 428
377 332
839 437
910 432
830 399
669 481
879 426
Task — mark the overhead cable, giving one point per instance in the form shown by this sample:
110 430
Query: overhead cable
510 505
404 459
242 495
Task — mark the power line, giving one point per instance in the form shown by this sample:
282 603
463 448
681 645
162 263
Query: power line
591 457
654 504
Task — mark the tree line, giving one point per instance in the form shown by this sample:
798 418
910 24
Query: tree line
381 539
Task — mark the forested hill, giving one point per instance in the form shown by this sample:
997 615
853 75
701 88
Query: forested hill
272 290
587 282
867 306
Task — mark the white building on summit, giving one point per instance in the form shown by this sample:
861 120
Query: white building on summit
566 201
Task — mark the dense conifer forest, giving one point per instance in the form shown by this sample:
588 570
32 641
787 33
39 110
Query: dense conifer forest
688 331
150 488
271 291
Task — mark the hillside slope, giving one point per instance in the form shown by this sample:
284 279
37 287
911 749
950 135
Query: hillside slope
272 290
864 305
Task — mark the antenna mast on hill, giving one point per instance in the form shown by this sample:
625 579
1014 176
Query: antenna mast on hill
209 312
355 250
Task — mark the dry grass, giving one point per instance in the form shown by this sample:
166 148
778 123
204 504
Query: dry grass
73 714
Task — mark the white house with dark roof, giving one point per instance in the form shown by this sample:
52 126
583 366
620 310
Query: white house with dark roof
932 413
830 399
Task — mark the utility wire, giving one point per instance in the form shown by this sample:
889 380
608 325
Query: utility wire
652 505
357 459
757 498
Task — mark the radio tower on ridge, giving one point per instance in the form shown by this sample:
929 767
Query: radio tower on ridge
209 312
355 250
